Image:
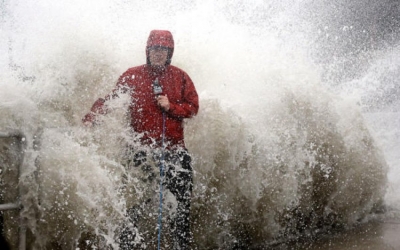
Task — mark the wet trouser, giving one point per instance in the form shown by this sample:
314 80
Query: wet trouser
178 180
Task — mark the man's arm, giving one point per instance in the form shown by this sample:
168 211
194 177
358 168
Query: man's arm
99 108
190 104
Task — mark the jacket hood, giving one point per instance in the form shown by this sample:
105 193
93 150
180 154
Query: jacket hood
160 38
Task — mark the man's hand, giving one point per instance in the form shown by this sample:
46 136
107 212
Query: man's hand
88 124
163 102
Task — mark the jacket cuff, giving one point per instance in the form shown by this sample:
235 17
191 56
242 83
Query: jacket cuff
172 108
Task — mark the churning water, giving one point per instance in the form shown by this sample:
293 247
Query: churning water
297 133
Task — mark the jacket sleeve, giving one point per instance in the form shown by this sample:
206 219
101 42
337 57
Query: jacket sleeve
190 102
99 107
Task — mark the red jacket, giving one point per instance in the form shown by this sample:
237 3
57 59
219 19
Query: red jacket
145 114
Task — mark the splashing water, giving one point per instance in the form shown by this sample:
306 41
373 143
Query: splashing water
287 142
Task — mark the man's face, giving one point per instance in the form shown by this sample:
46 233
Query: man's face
158 56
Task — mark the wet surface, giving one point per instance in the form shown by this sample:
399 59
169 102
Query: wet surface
377 235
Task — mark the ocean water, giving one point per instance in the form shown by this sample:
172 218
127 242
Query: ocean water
297 133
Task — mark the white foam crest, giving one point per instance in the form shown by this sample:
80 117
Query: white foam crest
306 139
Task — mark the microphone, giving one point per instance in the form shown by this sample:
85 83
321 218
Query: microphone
157 90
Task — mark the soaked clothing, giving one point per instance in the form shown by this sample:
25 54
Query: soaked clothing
146 119
145 114
141 231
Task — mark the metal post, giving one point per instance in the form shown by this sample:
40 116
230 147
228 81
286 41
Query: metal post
17 205
9 206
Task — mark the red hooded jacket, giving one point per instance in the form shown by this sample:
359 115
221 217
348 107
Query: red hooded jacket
145 114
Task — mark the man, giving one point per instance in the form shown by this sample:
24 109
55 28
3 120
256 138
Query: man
162 95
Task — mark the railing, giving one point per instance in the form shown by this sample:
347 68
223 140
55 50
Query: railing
17 204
